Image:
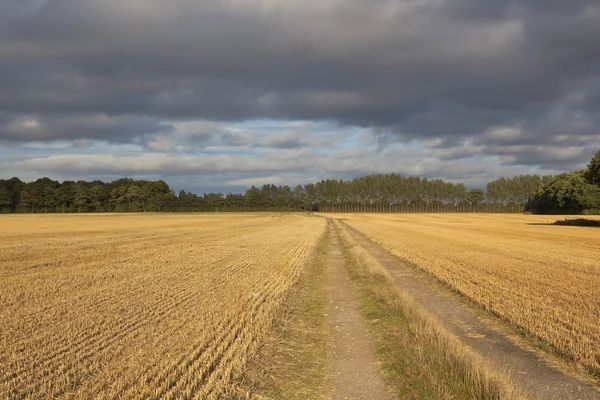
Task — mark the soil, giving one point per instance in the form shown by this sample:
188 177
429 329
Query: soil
355 372
529 371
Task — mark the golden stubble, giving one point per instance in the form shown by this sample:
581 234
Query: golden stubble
141 306
538 276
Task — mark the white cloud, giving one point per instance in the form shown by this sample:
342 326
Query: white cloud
503 133
258 181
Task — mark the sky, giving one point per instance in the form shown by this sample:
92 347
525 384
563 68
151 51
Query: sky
221 95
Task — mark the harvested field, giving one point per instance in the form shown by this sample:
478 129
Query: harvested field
541 277
154 306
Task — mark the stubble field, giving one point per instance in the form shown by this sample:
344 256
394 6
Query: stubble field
173 306
141 306
540 277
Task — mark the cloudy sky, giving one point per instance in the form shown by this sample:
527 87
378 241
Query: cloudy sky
219 95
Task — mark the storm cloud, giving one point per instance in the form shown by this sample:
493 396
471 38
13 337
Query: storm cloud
515 84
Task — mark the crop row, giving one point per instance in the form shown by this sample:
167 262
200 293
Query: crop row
161 311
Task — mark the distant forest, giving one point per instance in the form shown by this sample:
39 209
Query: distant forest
569 193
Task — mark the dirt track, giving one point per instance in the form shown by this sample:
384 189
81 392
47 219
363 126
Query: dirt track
355 374
534 375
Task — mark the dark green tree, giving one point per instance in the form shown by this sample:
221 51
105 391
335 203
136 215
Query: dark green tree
81 199
568 193
592 173
5 198
475 197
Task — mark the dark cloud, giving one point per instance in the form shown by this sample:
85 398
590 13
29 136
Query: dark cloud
284 140
519 79
44 127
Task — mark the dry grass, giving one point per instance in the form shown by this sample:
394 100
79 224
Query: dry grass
141 306
542 278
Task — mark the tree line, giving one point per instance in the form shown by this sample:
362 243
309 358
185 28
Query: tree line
373 193
570 193
574 192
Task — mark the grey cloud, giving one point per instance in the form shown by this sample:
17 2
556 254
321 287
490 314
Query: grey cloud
223 172
36 127
185 135
412 71
284 140
157 164
239 138
539 155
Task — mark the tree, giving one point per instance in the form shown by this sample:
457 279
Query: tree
567 193
5 198
81 200
153 193
371 193
98 197
133 196
117 198
475 197
25 199
15 186
65 197
48 191
592 173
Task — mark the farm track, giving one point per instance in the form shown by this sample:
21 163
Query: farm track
168 313
531 373
355 372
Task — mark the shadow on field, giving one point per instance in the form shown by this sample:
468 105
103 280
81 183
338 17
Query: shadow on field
588 223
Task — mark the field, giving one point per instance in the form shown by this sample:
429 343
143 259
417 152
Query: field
543 278
182 306
138 306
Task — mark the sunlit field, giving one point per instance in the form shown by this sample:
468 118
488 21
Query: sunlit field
174 305
541 277
141 306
